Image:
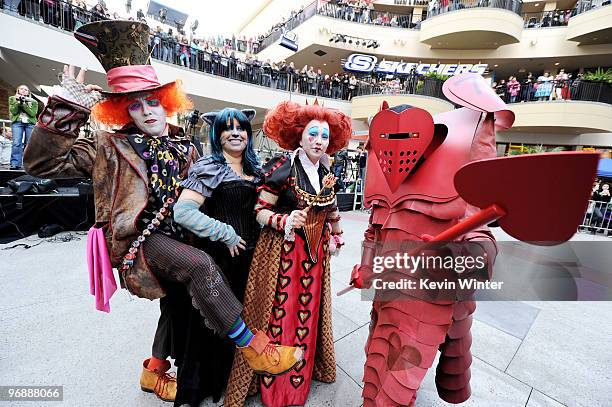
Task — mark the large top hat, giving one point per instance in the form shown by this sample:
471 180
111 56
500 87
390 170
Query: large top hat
122 49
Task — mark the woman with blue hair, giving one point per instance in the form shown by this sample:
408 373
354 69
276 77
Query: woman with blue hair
217 204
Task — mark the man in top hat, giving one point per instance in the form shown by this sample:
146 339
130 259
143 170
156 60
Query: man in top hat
136 171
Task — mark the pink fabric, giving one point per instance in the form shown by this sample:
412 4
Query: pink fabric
132 77
102 283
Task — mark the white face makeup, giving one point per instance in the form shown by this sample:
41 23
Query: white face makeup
234 140
23 90
148 115
315 139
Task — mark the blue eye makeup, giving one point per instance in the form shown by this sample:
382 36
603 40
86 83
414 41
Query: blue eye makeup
153 102
325 133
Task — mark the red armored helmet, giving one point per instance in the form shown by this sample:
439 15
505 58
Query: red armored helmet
400 137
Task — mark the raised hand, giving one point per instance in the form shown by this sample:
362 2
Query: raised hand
84 95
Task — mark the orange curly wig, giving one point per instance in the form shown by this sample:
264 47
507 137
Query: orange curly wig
114 111
285 123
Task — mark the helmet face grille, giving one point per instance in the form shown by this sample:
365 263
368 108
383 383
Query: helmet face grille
399 139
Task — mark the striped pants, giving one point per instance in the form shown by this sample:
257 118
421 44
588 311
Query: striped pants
174 261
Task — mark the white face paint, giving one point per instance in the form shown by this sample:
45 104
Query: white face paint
148 115
315 139
234 140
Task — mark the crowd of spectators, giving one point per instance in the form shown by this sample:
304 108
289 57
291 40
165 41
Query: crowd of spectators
598 217
236 58
286 24
361 11
554 18
562 86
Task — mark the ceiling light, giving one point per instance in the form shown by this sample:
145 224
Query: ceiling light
324 64
495 66
536 5
556 63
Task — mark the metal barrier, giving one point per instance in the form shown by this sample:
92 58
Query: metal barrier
598 218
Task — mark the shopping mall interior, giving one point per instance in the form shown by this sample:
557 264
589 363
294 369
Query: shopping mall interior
565 45
550 61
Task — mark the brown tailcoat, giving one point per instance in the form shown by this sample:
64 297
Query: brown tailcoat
119 177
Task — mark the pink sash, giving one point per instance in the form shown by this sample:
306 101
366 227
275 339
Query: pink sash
102 283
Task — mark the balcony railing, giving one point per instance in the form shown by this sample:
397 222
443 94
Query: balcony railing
312 84
576 89
544 19
366 15
59 14
303 15
437 7
412 85
587 5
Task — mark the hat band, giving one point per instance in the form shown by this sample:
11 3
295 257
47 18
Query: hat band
132 78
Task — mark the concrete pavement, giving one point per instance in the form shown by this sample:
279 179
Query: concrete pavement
525 353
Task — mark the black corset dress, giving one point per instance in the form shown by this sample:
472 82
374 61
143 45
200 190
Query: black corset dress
205 359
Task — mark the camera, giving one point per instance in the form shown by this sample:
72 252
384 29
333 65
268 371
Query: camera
194 117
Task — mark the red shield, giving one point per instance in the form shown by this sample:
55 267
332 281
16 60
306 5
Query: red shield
399 141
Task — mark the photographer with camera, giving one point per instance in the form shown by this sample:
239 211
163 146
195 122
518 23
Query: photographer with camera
22 109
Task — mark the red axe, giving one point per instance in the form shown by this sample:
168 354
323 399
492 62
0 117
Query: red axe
538 198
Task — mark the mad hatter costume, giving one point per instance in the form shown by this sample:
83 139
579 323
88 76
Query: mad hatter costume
135 172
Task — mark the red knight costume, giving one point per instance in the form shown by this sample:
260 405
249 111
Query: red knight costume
412 161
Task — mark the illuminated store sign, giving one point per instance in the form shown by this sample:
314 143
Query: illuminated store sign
369 63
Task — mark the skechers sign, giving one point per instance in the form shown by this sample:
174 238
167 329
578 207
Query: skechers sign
368 63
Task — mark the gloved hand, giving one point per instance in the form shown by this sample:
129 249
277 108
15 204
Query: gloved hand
362 273
73 88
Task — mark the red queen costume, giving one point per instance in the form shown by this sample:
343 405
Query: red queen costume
288 291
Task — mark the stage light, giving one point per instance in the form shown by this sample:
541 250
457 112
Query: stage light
357 43
369 44
376 44
350 41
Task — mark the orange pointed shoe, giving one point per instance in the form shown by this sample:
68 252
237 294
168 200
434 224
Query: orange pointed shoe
158 381
266 358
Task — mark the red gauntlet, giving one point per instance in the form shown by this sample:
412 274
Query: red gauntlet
362 273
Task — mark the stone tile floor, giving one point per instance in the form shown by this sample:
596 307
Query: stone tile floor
525 353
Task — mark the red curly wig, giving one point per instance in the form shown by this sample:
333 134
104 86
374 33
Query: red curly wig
285 123
114 110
